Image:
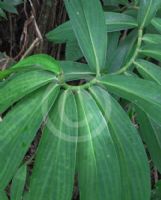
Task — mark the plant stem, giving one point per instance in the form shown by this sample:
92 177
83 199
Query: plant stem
132 60
84 86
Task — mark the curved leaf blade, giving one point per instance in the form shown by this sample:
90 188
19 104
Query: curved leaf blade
61 34
130 150
97 162
143 93
119 21
18 183
20 85
19 127
152 39
147 11
149 70
156 22
151 134
75 70
152 51
38 61
53 174
89 30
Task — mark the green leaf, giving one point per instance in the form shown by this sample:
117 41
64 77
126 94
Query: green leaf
20 85
147 11
88 22
152 39
2 14
8 7
3 195
54 171
39 61
151 50
119 21
76 71
19 127
18 183
130 150
97 162
151 134
156 192
156 22
123 53
143 93
112 47
73 51
114 22
61 34
149 70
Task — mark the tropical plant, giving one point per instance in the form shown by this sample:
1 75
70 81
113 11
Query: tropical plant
87 133
8 6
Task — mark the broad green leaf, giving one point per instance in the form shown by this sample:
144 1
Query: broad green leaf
130 150
149 70
143 93
75 70
62 33
152 50
152 39
147 11
97 162
88 22
18 183
19 127
151 134
19 85
156 22
8 7
3 195
123 53
73 51
39 61
119 21
112 47
54 171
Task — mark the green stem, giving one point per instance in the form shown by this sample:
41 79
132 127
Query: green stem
84 86
131 61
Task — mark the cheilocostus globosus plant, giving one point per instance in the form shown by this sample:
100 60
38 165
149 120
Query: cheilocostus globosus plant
112 62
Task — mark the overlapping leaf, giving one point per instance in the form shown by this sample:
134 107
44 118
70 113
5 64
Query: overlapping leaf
53 174
119 21
18 183
145 94
39 61
156 22
89 30
151 134
19 127
152 50
75 70
149 70
97 158
130 151
147 11
13 89
152 39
